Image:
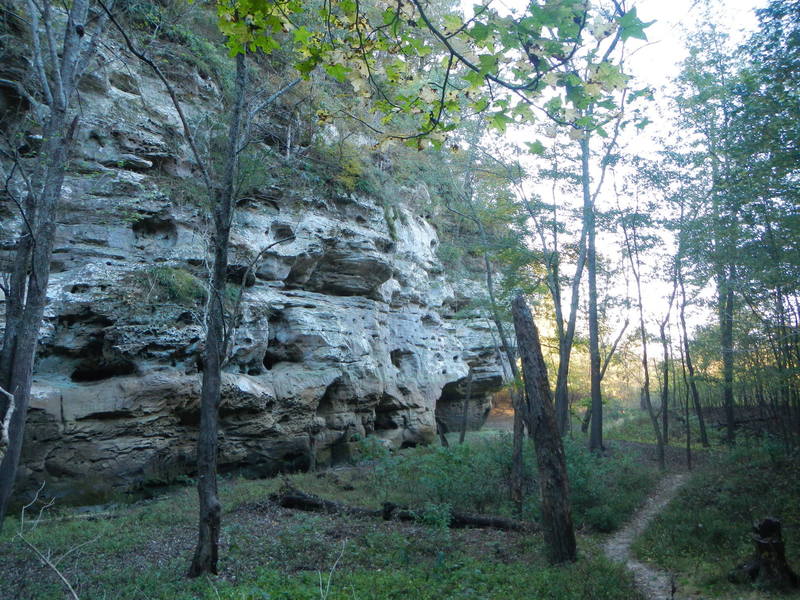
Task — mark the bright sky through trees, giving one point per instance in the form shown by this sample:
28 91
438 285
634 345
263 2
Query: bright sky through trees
654 64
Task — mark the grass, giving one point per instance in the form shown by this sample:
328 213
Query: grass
142 550
176 285
475 477
703 533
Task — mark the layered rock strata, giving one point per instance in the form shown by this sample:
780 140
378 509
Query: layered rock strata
344 329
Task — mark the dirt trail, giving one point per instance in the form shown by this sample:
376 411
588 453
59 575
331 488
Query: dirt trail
653 583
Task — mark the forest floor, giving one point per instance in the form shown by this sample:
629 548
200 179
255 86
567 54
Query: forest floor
140 551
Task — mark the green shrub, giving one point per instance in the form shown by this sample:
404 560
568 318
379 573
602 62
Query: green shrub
605 490
476 477
468 477
176 285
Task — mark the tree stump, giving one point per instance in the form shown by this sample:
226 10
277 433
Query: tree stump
767 567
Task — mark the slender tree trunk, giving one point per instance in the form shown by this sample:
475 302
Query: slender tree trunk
726 307
442 431
57 74
665 387
648 403
566 341
690 367
206 552
633 257
686 408
553 481
596 433
519 406
465 411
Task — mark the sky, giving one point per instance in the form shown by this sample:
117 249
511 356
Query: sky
659 61
655 64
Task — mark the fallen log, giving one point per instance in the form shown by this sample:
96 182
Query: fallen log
290 497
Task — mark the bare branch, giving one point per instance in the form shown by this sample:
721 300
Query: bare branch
38 59
611 352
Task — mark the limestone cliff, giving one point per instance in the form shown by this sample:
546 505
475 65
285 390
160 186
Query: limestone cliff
345 330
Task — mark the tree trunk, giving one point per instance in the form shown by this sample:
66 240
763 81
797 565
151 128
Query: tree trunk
26 297
686 408
665 383
289 497
553 481
465 411
768 567
646 390
442 431
517 470
587 419
596 433
206 552
690 367
566 341
726 301
633 257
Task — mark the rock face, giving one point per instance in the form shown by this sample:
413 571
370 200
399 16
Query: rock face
344 328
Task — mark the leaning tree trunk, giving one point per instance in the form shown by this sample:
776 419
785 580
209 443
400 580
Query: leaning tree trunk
206 552
559 534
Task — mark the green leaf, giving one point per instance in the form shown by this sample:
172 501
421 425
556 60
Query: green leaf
452 23
302 35
480 105
487 63
474 78
338 72
536 147
479 32
631 26
499 121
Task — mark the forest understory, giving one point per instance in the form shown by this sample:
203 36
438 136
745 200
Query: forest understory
139 550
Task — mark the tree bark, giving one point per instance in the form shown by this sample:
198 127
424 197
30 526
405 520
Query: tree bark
559 534
596 433
207 550
726 306
768 567
686 409
690 367
665 383
465 411
26 295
